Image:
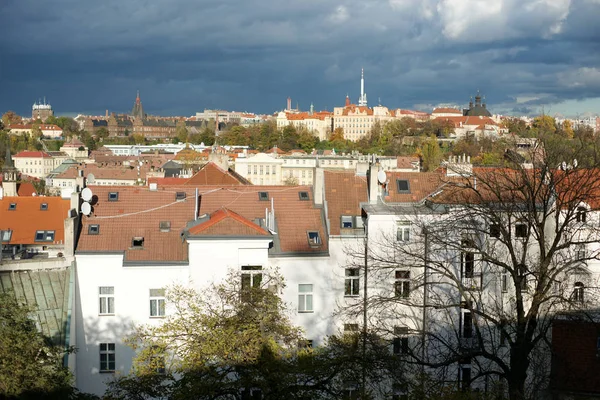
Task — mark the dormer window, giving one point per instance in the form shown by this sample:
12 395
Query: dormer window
303 196
94 229
12 206
314 239
347 221
402 186
44 236
44 207
180 196
164 226
263 196
137 242
113 196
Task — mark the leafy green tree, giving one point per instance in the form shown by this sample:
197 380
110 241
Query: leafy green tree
138 138
102 133
307 141
30 365
544 124
182 133
431 154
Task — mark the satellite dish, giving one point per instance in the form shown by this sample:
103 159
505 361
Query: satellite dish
381 176
86 194
574 163
564 166
86 208
91 178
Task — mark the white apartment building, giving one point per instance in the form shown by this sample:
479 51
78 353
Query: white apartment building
319 123
220 115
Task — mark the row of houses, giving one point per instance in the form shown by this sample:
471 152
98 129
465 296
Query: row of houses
423 253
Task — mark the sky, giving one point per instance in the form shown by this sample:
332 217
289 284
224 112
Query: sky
526 57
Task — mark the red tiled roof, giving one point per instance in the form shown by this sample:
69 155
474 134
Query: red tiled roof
466 120
225 222
138 213
406 162
27 218
25 189
212 174
294 218
168 181
32 154
344 191
421 185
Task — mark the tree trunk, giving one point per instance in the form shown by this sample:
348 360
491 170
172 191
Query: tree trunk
519 364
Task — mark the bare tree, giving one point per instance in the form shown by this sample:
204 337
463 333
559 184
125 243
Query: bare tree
475 272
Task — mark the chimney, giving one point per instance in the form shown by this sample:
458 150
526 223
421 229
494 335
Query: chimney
289 103
372 182
106 115
319 186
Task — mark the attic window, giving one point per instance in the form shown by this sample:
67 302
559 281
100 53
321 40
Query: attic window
12 206
113 196
263 196
137 242
94 229
164 226
402 185
347 221
180 196
44 207
5 235
44 236
303 196
313 238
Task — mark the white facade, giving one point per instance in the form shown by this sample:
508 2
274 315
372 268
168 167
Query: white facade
36 164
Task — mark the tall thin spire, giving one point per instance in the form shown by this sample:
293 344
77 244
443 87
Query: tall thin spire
362 100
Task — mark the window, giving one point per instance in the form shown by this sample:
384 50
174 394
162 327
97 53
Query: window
107 300
347 221
107 357
313 238
402 284
467 264
521 230
403 186
164 226
113 196
44 236
251 279
403 231
137 242
303 196
578 292
465 377
305 298
495 231
6 235
94 229
44 207
157 302
580 253
12 206
400 342
467 323
581 214
180 196
352 282
400 391
504 282
263 196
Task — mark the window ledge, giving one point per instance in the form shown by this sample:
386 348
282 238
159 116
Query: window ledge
112 371
306 312
352 295
106 315
157 316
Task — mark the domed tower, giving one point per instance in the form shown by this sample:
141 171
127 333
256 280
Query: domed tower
9 175
477 110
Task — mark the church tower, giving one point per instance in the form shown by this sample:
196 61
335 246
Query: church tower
9 175
138 110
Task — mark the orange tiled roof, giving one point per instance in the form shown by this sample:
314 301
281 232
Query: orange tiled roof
27 218
212 174
25 189
225 222
138 212
171 181
466 120
32 154
344 192
406 162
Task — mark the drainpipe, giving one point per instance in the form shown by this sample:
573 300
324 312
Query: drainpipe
425 295
365 319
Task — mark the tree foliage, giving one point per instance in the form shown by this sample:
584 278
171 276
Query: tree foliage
30 365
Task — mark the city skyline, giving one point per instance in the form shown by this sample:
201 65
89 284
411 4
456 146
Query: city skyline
526 58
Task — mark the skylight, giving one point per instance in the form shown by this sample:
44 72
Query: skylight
44 207
113 196
403 186
313 238
94 229
180 196
303 196
263 196
12 206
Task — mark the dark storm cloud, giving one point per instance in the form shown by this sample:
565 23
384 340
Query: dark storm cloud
187 55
